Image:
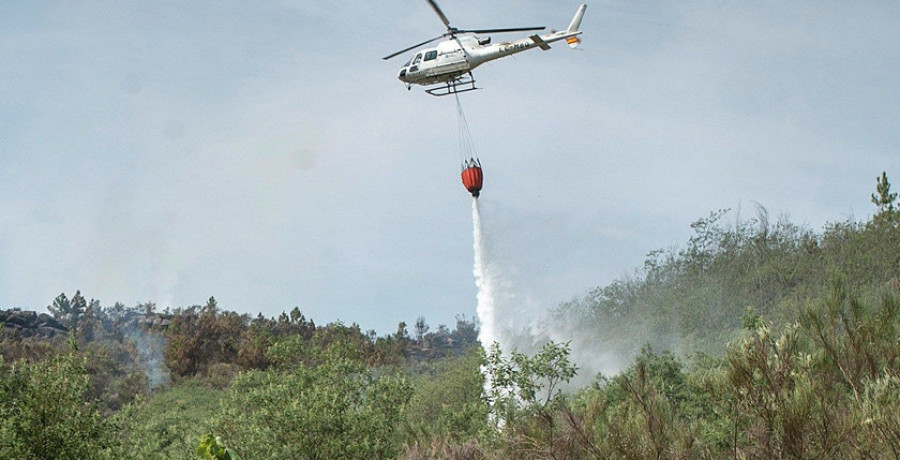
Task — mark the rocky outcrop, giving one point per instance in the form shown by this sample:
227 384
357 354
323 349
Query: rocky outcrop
154 321
19 323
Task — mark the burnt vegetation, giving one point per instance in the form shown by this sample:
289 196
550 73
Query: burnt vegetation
758 339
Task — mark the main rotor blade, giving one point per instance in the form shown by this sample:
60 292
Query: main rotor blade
414 46
493 31
440 13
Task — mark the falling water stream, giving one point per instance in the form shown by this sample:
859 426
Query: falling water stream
485 283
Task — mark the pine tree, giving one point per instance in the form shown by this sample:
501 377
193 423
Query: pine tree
884 199
68 312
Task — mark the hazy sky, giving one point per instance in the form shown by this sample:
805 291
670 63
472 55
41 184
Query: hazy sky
264 153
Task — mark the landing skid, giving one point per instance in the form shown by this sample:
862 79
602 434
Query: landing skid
455 86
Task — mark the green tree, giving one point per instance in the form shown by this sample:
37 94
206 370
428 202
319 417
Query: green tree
44 414
68 312
529 381
888 215
883 198
422 328
525 395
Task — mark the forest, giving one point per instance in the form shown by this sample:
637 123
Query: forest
759 338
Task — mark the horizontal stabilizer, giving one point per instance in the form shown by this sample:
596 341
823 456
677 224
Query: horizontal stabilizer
540 42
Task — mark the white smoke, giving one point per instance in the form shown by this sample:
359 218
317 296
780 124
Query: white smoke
150 350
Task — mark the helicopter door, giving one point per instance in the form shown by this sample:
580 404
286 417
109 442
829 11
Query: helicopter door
430 60
415 63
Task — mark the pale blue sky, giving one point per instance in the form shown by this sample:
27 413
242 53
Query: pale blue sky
263 153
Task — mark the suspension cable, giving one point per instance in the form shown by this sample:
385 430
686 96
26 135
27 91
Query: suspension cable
466 145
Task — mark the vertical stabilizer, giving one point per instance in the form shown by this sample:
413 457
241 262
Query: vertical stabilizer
575 25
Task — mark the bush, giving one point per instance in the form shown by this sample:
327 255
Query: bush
337 409
44 413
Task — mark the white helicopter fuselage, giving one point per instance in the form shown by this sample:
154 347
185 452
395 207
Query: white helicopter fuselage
458 56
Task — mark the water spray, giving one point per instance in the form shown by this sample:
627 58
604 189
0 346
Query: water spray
485 283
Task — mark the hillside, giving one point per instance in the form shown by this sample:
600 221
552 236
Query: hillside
695 299
757 339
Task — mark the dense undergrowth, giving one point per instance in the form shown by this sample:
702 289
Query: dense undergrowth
756 340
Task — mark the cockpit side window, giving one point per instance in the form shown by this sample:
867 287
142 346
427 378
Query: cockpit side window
431 55
417 59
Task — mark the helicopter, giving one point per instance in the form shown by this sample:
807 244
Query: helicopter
447 68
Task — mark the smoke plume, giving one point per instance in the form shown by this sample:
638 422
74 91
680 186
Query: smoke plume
150 350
